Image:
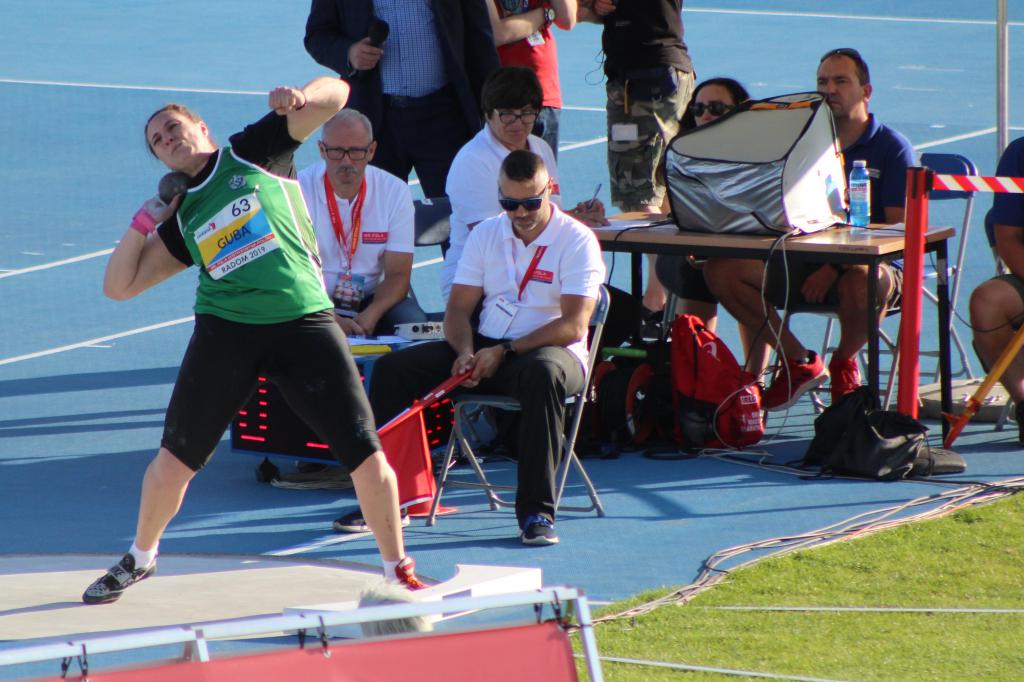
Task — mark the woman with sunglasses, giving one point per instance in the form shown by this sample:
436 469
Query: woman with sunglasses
712 99
261 310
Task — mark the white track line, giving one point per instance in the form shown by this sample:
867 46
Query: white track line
855 17
704 668
425 263
866 609
56 263
116 86
955 138
101 339
174 88
579 145
104 252
130 332
317 544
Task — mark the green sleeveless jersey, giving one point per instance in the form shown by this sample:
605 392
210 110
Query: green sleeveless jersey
252 238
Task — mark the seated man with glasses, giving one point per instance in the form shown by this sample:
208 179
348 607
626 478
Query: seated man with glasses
511 101
538 273
363 219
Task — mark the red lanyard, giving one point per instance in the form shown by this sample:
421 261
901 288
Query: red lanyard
529 271
339 227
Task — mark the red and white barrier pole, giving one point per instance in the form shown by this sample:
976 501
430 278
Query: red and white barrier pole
919 181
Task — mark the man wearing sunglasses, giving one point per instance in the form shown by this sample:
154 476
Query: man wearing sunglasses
363 217
537 272
512 98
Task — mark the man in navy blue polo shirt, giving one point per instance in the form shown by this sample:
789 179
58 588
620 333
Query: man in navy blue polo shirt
843 78
997 306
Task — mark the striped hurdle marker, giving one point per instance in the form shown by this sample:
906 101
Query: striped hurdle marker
978 183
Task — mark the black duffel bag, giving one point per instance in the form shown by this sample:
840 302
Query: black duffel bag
854 438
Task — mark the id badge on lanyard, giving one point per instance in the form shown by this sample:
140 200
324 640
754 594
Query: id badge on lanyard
348 294
500 316
349 289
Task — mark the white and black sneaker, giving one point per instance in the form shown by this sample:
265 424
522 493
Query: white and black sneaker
353 522
119 578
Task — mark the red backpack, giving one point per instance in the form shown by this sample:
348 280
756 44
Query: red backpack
717 404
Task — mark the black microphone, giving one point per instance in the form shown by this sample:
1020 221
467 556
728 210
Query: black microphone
379 31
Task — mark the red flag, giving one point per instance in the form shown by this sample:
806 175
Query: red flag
405 445
404 440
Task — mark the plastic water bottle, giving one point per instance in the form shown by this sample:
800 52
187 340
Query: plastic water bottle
860 194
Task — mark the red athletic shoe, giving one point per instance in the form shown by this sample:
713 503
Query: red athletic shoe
788 386
845 377
405 574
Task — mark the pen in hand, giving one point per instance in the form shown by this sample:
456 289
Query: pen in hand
590 204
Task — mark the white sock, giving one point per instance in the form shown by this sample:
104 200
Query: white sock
389 570
143 558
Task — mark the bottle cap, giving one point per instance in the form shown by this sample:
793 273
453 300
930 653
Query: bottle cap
859 163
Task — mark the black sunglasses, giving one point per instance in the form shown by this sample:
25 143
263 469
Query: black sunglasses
529 203
716 108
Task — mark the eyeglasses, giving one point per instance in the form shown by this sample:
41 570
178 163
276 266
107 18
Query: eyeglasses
527 117
715 108
339 153
531 204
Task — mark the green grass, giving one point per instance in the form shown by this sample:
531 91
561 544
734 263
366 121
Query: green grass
971 559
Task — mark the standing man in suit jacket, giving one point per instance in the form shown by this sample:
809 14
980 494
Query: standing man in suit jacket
421 87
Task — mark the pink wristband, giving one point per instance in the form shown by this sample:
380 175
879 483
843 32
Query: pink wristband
143 223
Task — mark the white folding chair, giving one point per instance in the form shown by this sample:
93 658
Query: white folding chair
574 414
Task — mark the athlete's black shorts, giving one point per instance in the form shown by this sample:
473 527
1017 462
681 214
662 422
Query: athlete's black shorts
308 359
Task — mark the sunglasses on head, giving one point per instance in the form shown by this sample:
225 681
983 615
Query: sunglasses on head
843 52
529 203
852 54
714 108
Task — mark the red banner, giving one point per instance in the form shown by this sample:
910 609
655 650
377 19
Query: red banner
531 652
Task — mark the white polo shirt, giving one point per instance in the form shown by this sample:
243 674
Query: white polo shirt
387 224
497 260
472 187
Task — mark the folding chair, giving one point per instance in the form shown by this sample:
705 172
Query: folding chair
574 414
951 164
432 225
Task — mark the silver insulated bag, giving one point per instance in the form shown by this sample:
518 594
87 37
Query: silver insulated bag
770 167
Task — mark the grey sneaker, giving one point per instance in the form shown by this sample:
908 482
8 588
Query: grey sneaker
119 578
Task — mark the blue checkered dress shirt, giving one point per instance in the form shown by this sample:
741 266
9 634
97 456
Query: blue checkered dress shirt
412 64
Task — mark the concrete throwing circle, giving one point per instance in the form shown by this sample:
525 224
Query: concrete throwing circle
42 595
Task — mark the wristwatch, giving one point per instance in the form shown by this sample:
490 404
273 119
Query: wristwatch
508 349
549 15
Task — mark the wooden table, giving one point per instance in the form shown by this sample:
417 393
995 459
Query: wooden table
842 246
